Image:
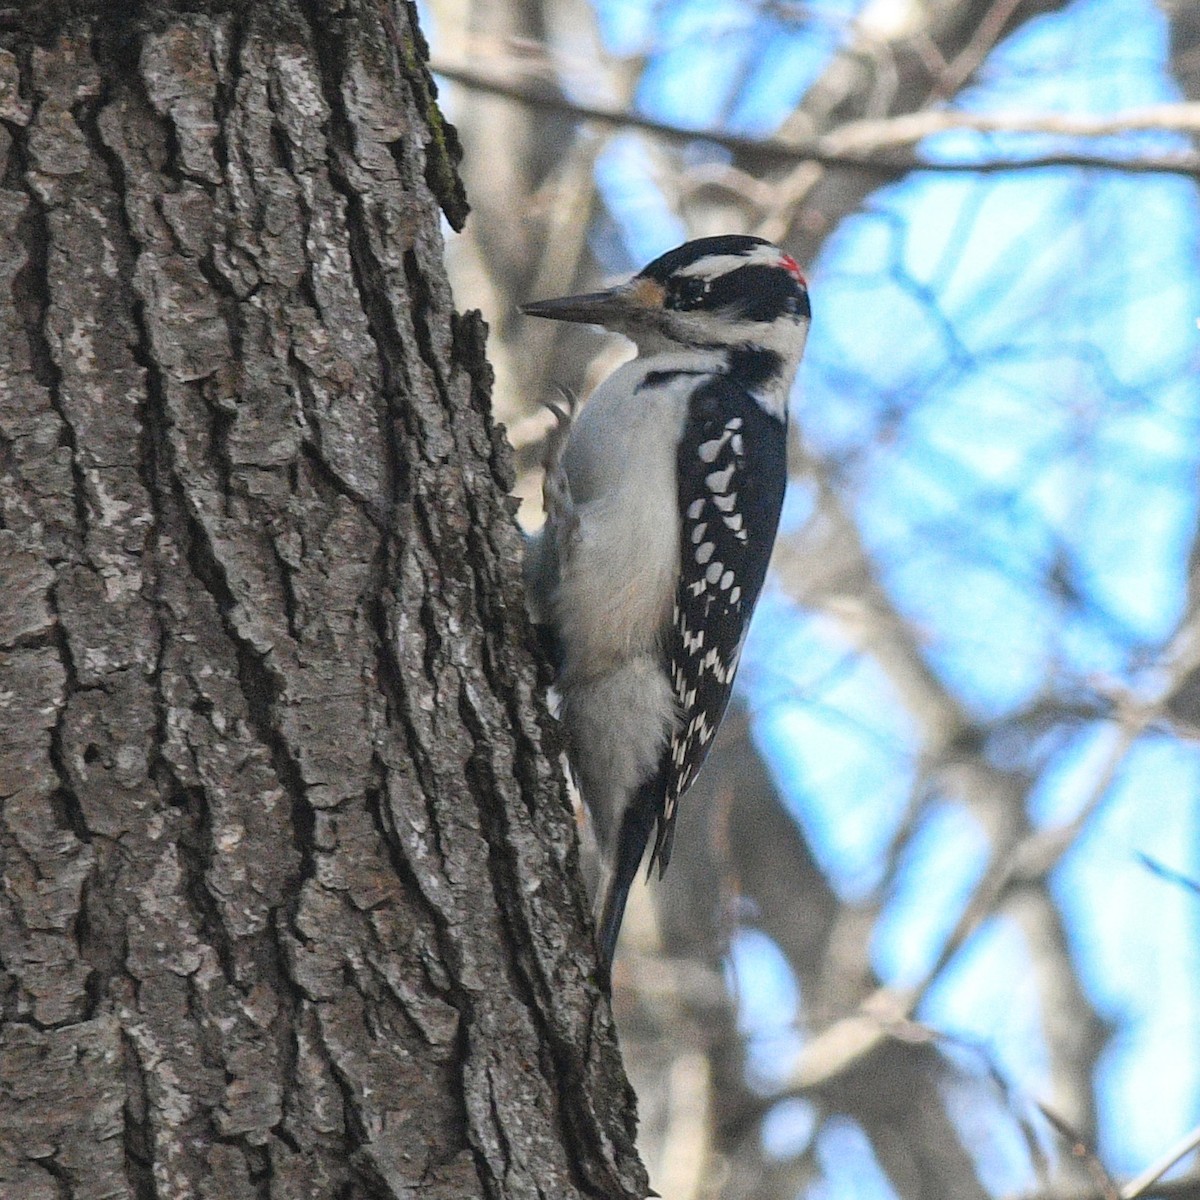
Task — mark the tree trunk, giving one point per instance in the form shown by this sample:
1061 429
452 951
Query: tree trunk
290 900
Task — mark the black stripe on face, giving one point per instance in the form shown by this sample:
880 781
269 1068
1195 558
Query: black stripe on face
753 366
662 268
655 379
757 293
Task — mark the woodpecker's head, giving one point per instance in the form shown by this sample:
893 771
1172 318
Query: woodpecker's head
719 293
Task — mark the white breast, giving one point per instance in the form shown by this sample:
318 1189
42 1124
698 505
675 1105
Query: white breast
617 589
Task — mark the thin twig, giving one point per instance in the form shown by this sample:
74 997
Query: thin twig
1152 1174
877 147
985 37
1082 1151
1171 876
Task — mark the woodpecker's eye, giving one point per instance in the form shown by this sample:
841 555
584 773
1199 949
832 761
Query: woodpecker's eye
689 292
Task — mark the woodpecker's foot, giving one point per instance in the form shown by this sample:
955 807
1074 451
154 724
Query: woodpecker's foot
556 490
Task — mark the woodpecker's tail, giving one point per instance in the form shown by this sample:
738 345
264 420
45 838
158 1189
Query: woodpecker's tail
636 823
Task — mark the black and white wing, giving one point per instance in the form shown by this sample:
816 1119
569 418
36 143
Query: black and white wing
732 470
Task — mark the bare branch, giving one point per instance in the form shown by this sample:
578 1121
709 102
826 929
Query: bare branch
1082 1151
991 28
1164 872
912 127
1142 1184
865 145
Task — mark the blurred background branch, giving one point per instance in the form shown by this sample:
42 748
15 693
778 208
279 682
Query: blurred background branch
864 145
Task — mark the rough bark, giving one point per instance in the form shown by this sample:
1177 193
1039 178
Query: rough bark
289 900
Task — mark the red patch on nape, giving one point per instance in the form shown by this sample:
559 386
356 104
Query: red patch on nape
792 267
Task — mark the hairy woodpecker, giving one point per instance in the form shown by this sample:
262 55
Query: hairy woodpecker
662 501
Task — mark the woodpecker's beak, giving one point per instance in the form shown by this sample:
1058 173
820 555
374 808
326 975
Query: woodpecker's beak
614 308
596 308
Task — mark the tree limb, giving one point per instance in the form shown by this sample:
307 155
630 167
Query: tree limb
870 145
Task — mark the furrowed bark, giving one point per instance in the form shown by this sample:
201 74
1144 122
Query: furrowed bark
289 902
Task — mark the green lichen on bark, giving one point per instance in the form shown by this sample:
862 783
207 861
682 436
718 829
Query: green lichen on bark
443 152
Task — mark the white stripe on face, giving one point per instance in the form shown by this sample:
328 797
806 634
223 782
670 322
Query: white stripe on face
714 265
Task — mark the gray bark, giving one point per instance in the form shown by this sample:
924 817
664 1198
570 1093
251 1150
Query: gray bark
290 904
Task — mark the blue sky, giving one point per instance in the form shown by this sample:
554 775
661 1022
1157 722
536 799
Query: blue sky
1004 371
